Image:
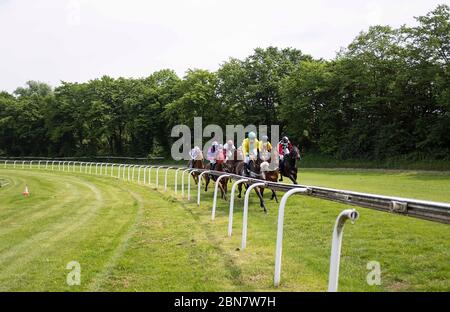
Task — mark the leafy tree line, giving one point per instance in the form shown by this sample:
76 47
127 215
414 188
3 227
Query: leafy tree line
387 94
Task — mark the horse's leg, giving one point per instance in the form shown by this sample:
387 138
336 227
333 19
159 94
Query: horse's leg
195 177
240 190
261 199
292 179
222 191
225 188
206 182
274 195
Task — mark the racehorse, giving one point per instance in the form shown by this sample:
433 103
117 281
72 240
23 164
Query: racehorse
230 165
270 171
254 171
196 163
289 169
223 185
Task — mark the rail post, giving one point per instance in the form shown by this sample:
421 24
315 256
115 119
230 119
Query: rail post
31 163
139 175
150 174
176 179
336 244
165 178
145 174
144 177
245 215
132 174
182 181
157 176
230 217
279 246
199 185
216 187
23 164
189 183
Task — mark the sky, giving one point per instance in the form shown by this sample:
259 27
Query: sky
79 40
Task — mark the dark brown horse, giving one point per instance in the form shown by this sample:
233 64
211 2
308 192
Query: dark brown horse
223 185
230 165
289 169
269 175
254 171
196 164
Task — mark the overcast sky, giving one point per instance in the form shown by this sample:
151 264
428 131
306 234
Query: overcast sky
78 40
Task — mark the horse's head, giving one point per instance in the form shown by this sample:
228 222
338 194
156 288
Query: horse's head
219 166
198 164
254 164
291 163
295 153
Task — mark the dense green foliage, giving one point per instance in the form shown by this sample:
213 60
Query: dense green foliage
386 95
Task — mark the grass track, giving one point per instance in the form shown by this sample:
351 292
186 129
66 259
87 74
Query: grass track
130 237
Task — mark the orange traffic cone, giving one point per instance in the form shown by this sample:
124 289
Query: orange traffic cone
26 193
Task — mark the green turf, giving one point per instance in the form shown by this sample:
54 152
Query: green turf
130 237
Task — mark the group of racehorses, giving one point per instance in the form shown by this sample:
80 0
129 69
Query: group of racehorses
257 168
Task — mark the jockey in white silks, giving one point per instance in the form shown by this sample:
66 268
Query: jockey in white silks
195 154
229 149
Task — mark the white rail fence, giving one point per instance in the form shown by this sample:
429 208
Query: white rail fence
434 211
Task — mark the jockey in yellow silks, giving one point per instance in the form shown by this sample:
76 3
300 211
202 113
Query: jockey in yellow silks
265 148
250 147
264 144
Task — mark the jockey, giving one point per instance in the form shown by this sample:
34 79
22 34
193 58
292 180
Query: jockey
250 148
195 154
212 153
265 148
264 144
220 156
229 149
284 148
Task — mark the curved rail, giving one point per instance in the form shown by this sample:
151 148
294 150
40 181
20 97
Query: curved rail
422 209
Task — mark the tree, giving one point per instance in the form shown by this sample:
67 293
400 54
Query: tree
250 88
